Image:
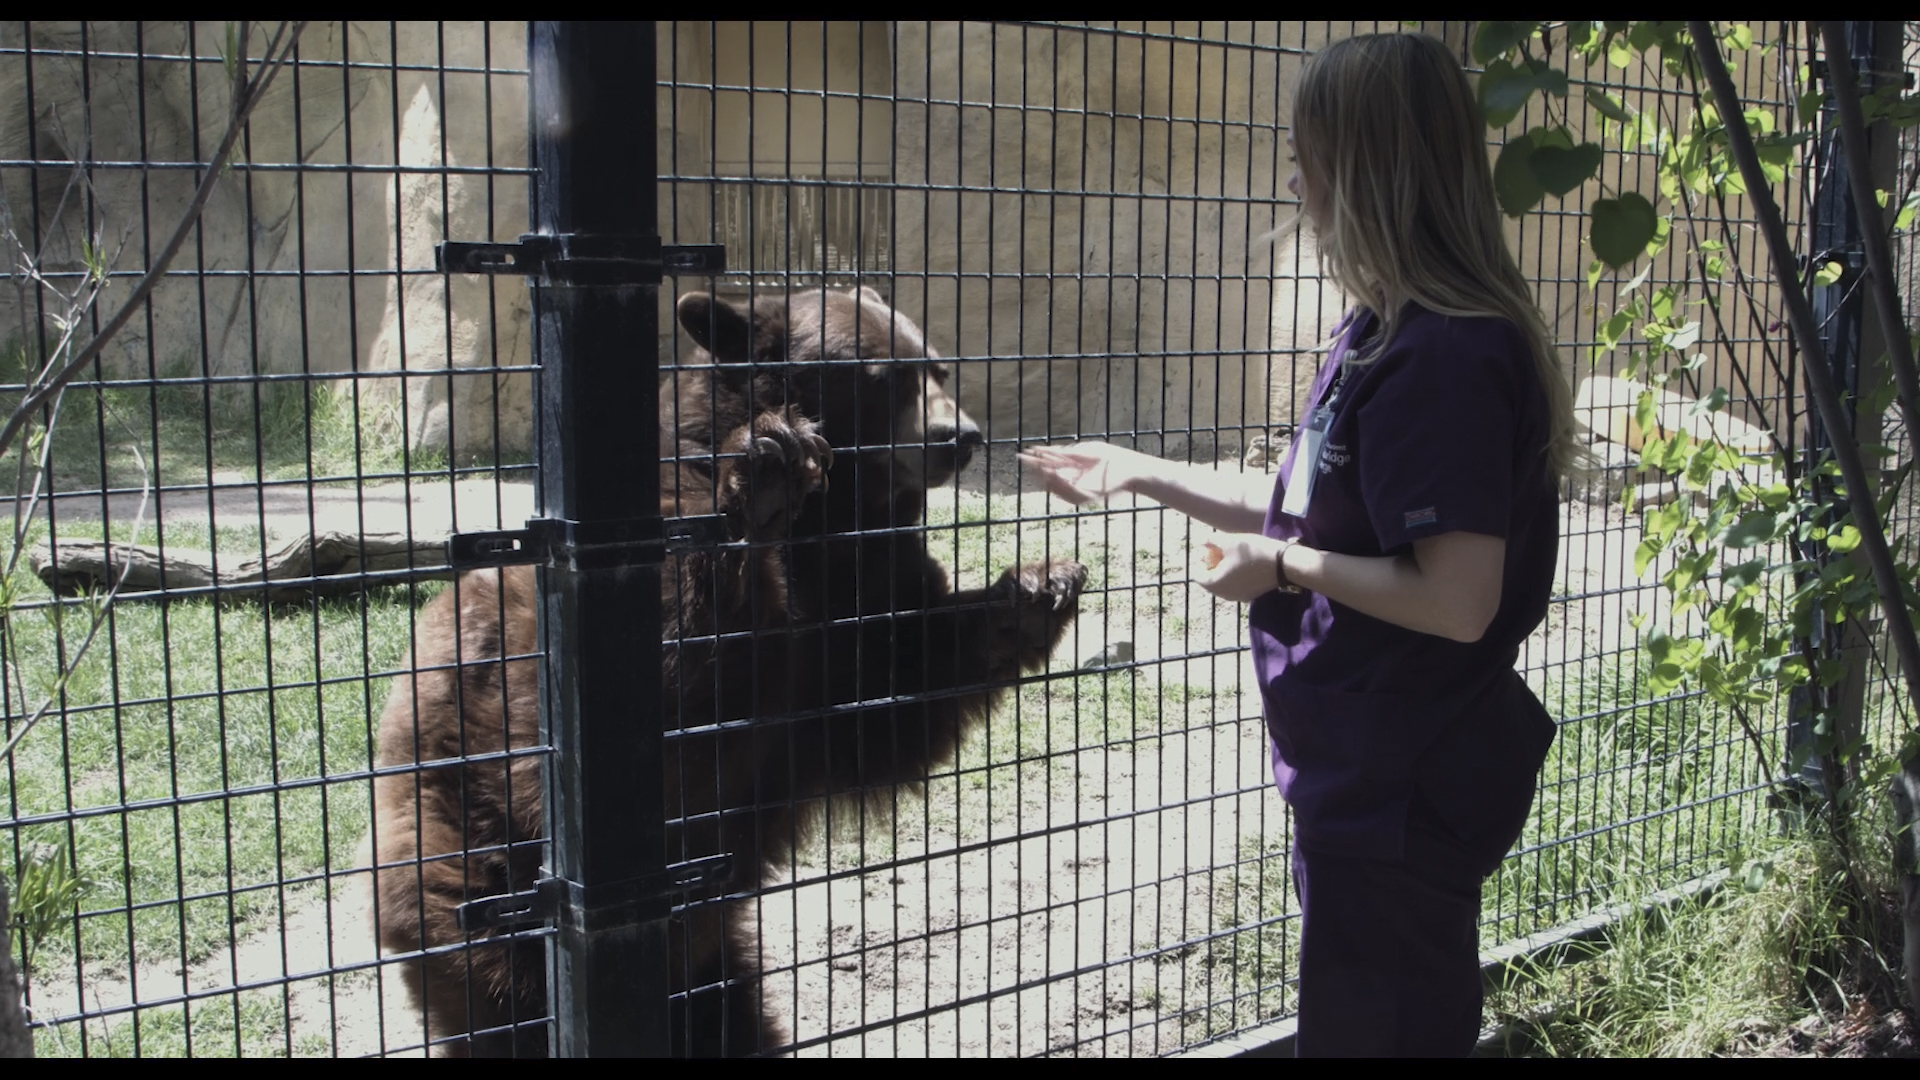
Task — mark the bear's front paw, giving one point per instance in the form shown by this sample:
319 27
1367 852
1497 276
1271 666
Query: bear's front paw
1046 596
783 459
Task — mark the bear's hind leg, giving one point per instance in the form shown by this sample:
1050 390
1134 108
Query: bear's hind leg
719 1011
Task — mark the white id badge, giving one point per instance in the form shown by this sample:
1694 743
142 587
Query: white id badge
1306 463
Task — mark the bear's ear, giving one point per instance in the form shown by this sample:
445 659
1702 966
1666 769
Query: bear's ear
868 292
715 325
727 332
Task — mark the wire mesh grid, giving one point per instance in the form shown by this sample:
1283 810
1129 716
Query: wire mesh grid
1070 217
271 452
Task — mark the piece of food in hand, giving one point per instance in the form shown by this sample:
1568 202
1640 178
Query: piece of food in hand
1214 555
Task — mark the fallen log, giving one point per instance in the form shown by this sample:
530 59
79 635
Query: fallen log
322 564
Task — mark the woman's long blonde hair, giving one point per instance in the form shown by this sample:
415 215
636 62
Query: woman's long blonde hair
1389 135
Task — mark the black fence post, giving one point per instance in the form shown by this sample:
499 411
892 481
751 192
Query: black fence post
1857 355
593 140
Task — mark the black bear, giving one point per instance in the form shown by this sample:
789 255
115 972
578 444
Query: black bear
814 422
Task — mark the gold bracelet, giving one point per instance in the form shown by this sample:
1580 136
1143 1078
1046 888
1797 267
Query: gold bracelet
1280 566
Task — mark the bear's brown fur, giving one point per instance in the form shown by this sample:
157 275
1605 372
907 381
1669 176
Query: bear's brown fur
845 604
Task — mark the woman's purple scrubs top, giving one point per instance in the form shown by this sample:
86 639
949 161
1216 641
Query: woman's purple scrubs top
1444 432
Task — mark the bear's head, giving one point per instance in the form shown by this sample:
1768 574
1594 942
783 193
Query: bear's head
861 369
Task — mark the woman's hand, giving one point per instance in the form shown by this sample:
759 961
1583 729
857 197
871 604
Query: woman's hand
1093 472
1239 566
1088 472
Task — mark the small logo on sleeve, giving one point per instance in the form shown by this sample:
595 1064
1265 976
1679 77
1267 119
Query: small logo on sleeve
1417 518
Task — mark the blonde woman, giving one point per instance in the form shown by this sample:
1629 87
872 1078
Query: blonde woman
1406 552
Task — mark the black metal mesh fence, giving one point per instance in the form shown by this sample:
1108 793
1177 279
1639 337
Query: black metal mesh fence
299 399
1070 216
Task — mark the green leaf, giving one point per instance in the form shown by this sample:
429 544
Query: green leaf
1618 54
1513 182
1551 80
1643 555
1557 136
1622 228
1755 527
1908 209
1683 338
1646 413
1844 540
1614 329
1662 232
1700 467
1609 106
1494 39
1659 645
1638 279
1745 574
1739 37
1828 274
1662 305
1594 270
1712 403
1502 92
1560 171
1810 103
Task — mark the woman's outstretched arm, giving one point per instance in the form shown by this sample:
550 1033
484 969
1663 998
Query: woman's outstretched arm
1091 472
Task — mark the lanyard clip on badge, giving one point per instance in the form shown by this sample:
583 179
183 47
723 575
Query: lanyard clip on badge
1313 437
1306 463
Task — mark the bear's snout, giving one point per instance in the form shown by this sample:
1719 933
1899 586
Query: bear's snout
964 435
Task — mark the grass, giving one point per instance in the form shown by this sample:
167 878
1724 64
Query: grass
1722 973
245 714
201 767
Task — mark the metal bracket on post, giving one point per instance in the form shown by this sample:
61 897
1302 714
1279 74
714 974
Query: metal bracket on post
578 545
582 259
620 902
